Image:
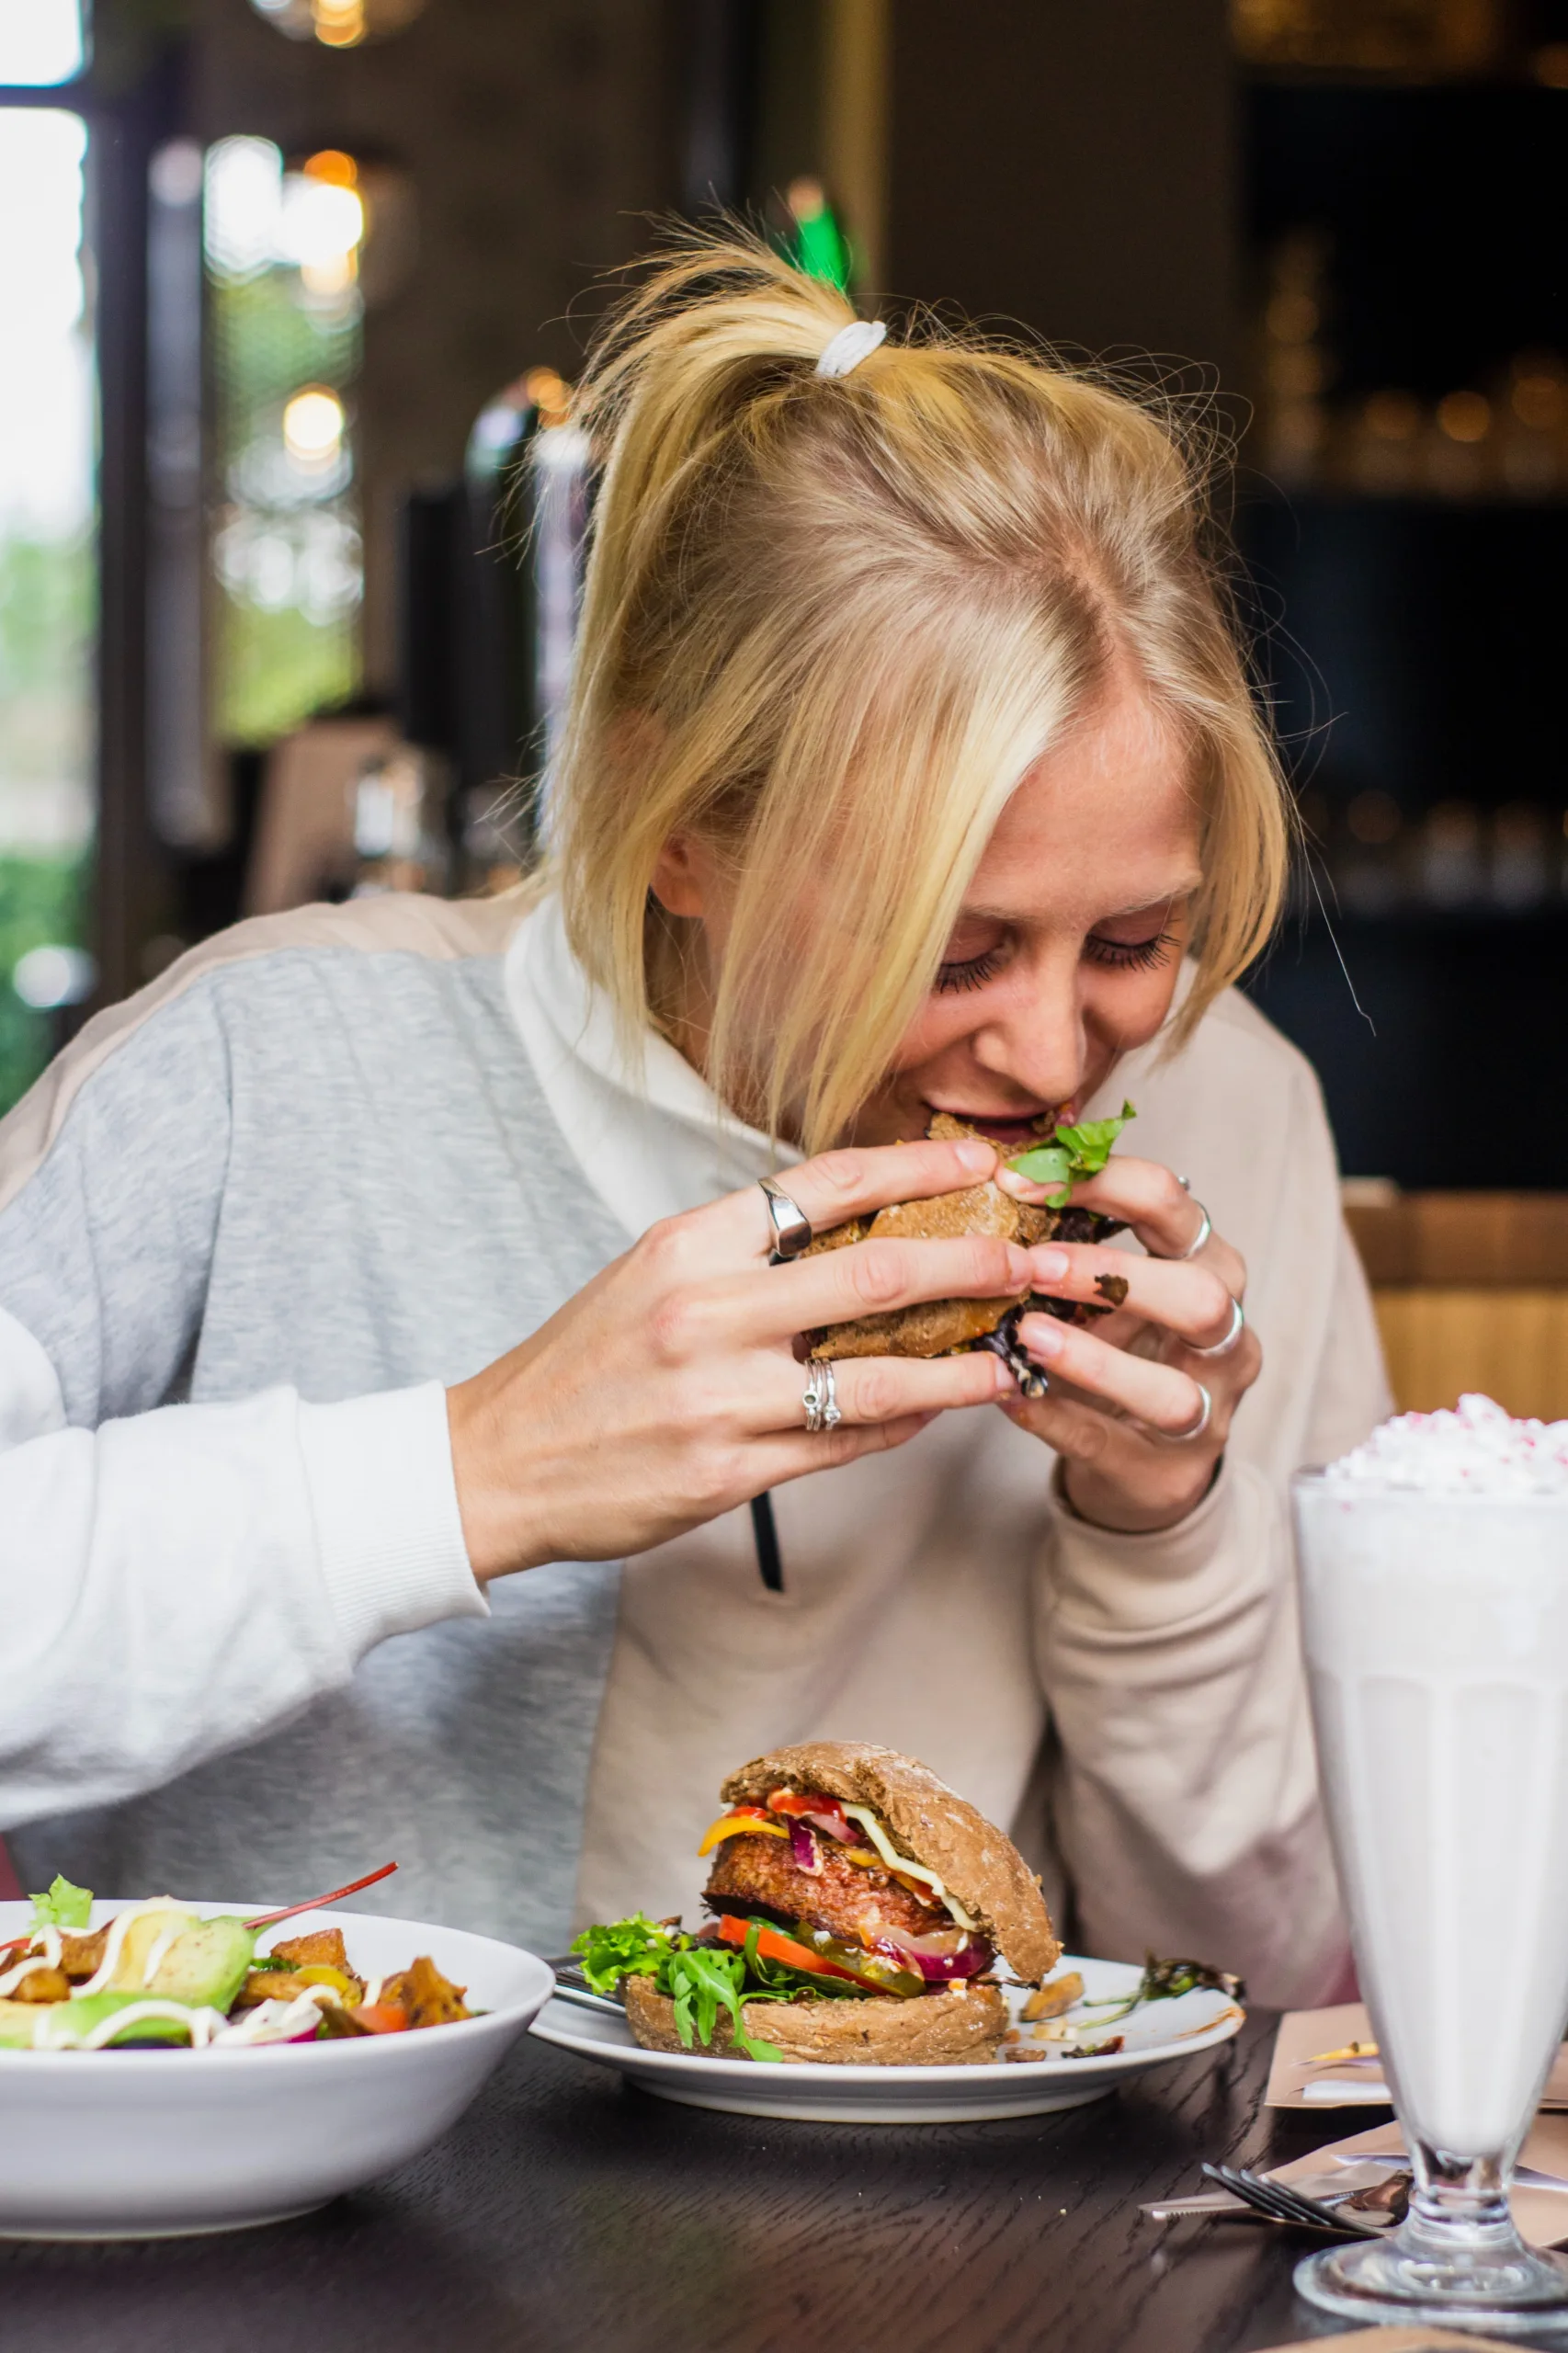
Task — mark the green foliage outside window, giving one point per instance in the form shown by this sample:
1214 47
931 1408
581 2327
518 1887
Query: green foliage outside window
286 543
41 905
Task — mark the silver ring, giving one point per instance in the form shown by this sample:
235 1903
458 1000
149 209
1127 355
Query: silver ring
821 1401
791 1226
1186 1184
1221 1347
1205 1413
1178 1258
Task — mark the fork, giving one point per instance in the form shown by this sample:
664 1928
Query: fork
1283 2204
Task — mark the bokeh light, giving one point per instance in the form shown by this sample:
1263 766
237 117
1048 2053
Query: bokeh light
313 425
41 42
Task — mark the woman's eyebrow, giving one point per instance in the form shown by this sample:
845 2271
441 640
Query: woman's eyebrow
1161 904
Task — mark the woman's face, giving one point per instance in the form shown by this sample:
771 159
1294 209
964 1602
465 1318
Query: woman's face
1068 947
1066 951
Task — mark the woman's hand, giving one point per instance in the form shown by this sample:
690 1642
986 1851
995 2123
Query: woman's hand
668 1391
1122 1391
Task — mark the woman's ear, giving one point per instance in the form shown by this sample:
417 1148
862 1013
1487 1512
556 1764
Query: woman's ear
680 875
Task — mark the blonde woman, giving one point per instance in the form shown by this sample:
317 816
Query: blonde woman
390 1347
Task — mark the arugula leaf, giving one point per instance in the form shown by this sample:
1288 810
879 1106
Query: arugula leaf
1071 1154
698 1979
63 1907
1166 1980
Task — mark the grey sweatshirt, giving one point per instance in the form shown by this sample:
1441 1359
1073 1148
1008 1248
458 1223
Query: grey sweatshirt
255 1221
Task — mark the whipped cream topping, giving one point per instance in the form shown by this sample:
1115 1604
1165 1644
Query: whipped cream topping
1477 1449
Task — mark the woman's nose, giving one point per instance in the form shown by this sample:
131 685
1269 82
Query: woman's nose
1039 1047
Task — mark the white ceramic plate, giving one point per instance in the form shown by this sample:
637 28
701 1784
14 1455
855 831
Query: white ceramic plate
1154 2035
159 2142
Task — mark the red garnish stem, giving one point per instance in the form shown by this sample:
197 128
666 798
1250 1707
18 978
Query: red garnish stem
319 1902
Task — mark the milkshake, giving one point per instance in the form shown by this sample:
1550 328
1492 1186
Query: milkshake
1434 1564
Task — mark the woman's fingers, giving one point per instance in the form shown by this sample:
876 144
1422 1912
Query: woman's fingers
870 1390
838 1186
1160 1396
839 1286
1161 1213
1193 1299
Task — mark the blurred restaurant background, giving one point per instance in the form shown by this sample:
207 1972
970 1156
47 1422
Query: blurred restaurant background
291 511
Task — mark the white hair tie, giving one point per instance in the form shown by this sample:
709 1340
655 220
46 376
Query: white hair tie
850 345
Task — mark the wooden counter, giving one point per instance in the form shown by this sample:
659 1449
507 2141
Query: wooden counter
1472 1292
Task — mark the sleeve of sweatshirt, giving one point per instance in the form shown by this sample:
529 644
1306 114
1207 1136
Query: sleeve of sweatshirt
1185 1794
175 1580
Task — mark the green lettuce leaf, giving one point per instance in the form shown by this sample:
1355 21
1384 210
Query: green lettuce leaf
634 1947
63 1907
1071 1154
700 1980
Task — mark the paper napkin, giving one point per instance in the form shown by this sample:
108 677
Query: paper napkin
1350 2083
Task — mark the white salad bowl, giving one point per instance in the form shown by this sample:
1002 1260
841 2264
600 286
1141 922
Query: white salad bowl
149 2143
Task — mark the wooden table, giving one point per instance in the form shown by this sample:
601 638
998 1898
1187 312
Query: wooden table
567 2215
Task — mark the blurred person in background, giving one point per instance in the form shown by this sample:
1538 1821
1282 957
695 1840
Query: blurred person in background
389 1345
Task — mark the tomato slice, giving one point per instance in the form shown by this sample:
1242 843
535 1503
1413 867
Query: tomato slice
828 1810
382 2017
774 1945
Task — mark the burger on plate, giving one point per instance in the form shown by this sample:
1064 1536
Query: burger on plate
860 1913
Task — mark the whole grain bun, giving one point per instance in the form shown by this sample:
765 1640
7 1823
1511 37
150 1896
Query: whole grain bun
932 1328
931 1825
962 2027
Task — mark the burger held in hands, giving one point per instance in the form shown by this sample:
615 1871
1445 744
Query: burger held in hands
860 1915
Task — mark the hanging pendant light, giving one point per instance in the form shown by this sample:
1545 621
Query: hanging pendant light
338 24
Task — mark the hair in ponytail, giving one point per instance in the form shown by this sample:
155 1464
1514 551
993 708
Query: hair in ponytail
829 623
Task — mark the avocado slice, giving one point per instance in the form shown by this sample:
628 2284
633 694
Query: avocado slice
16 2022
205 1966
141 1935
64 2026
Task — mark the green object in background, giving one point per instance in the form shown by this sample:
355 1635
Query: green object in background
817 244
41 905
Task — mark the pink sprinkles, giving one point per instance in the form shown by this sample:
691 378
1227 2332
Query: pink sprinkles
1477 1448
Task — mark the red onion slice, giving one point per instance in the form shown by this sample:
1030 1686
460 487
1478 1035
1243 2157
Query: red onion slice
950 1953
803 1848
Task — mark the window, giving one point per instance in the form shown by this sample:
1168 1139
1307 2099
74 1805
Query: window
48 589
282 261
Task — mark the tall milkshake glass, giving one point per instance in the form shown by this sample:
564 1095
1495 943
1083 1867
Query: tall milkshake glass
1436 1627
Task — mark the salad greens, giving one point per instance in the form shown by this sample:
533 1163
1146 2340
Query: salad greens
702 1979
1071 1154
63 1907
1166 1981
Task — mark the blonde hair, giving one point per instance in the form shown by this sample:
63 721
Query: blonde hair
828 625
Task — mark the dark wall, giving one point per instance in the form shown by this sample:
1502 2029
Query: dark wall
1071 163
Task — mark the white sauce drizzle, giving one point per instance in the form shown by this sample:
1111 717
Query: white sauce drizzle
99 1982
13 1977
160 1946
896 1861
275 2022
54 2033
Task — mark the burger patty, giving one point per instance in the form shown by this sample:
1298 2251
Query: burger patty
847 1899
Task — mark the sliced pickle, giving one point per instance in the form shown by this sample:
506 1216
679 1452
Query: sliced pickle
885 1974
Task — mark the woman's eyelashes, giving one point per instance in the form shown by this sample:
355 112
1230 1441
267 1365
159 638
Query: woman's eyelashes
1116 955
1130 955
972 972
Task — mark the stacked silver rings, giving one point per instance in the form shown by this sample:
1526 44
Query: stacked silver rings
823 1412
